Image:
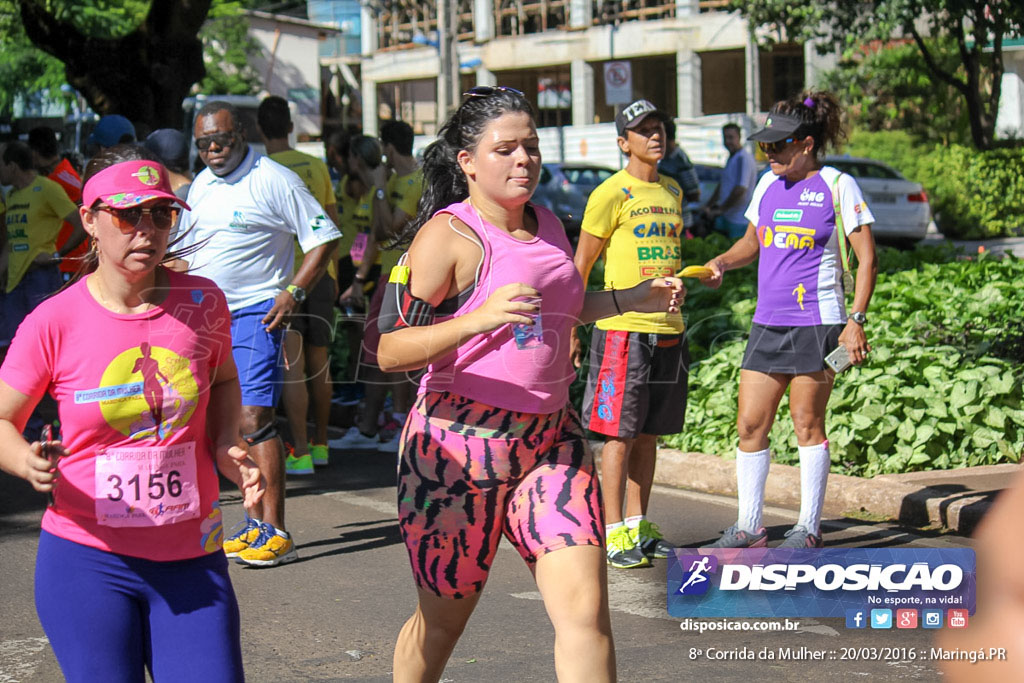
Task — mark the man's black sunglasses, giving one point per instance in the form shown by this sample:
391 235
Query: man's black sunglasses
221 139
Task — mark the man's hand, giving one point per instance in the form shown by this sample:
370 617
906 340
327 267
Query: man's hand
277 316
855 341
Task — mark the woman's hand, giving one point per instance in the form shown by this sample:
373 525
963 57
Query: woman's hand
855 341
40 470
235 464
657 295
500 309
715 281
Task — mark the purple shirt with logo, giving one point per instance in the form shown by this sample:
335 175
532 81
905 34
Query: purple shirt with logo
799 274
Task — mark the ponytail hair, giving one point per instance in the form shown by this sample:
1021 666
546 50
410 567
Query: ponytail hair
821 118
443 180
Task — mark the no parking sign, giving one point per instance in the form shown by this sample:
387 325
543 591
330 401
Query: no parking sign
618 83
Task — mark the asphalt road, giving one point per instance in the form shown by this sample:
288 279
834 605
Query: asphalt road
334 614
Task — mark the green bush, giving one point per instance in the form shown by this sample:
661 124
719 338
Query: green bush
973 194
941 389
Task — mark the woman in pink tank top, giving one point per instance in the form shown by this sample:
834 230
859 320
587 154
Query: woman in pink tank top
485 300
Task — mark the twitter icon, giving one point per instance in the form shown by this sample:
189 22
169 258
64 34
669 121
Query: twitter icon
881 618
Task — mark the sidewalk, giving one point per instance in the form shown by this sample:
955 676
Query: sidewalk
950 499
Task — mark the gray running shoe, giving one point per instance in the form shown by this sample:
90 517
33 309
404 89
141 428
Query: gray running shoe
649 539
800 537
622 552
734 538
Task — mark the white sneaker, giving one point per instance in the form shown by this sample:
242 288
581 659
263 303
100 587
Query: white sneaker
354 440
391 445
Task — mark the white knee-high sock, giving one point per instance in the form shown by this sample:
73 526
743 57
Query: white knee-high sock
751 473
814 466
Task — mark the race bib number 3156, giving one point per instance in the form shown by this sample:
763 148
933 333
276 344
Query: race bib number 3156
147 486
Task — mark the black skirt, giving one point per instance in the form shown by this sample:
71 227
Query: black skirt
790 350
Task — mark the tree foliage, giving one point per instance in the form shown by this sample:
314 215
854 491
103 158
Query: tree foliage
138 58
976 29
886 87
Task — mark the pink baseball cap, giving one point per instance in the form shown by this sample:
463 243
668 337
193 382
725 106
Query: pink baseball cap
129 184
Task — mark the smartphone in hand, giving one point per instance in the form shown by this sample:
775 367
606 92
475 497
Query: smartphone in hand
839 359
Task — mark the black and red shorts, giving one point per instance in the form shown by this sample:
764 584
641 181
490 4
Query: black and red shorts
637 383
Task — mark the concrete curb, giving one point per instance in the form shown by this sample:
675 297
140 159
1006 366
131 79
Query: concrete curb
903 497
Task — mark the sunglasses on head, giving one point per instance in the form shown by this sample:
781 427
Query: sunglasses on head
776 147
488 90
222 140
127 220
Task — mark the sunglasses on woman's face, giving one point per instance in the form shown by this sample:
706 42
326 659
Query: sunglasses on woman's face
127 220
488 90
776 147
222 140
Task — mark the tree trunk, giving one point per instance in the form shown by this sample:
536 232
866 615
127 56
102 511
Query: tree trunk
144 75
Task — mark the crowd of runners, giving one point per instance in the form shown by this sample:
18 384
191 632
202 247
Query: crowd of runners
203 306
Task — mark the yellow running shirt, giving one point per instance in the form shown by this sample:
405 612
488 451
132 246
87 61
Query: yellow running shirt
403 195
642 223
355 216
317 178
35 215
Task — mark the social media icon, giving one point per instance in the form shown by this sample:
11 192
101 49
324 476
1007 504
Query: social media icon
957 618
906 618
881 618
931 618
856 618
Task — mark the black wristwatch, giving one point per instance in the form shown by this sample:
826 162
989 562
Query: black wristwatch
298 293
858 318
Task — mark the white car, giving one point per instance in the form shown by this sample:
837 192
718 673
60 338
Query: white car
900 206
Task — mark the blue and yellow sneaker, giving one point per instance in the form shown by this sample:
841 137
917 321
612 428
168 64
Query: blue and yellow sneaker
651 542
622 552
242 535
269 549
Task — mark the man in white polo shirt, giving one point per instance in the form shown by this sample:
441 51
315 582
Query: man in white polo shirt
246 212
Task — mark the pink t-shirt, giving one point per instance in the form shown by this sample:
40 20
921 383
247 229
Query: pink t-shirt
532 375
132 393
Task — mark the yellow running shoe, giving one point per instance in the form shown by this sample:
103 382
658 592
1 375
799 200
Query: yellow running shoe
269 550
243 534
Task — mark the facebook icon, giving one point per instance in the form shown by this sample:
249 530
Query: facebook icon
856 618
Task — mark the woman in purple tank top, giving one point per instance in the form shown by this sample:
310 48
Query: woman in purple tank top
485 300
799 219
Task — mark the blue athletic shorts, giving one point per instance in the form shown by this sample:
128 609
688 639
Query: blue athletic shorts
732 229
257 355
36 285
110 617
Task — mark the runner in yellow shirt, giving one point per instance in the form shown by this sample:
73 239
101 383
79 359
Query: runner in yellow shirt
312 325
36 208
636 387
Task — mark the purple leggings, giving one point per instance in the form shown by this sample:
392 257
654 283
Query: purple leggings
110 617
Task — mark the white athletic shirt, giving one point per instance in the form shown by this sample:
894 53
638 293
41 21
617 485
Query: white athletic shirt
250 218
799 270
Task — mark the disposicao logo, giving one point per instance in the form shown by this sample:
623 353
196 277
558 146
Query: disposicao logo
775 582
696 579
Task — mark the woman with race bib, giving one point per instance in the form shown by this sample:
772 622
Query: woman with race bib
130 574
799 219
